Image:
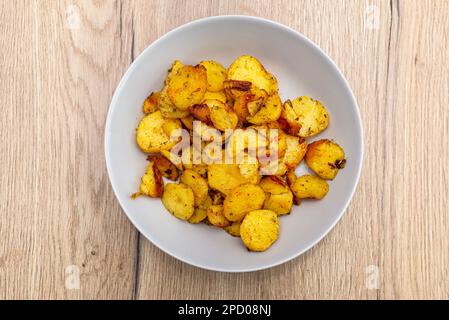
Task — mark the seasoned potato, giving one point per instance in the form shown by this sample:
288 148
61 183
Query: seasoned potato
209 95
221 115
179 200
200 213
168 109
279 203
312 116
216 74
173 70
215 216
225 177
234 229
291 178
151 103
241 200
241 108
325 158
234 88
259 229
274 185
166 168
170 125
151 184
198 185
269 112
310 187
201 112
295 152
150 134
248 68
289 120
188 86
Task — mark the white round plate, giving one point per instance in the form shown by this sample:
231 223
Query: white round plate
301 69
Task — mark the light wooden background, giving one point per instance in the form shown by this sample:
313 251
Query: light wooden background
59 67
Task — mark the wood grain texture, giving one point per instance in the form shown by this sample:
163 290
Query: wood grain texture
58 211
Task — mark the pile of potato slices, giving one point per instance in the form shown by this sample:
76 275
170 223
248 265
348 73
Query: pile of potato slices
239 198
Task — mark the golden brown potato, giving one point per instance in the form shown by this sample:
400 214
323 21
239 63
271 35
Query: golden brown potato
325 158
278 197
179 200
150 134
241 200
259 229
248 68
215 216
216 74
312 116
176 65
295 152
234 229
234 88
165 167
168 109
151 184
200 213
270 111
170 125
209 95
188 86
289 120
151 103
225 177
201 112
221 115
310 187
198 185
241 108
274 185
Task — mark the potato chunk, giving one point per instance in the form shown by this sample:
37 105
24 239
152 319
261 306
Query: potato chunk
225 177
248 68
312 116
309 187
168 109
278 197
216 217
295 152
198 185
166 168
270 111
234 229
221 115
188 86
259 229
325 158
242 200
151 103
216 74
151 184
200 213
151 136
179 200
210 95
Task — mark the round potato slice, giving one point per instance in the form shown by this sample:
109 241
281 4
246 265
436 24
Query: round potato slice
216 74
188 86
200 213
325 158
269 112
259 230
295 151
248 68
198 185
151 103
151 136
309 187
226 177
179 200
168 109
312 116
279 203
215 216
242 200
234 229
210 95
221 115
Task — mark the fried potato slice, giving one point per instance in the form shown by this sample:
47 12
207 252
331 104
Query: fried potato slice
295 151
151 183
165 166
279 197
215 216
176 65
248 68
179 200
225 177
170 125
274 185
209 95
150 134
325 158
241 200
241 106
198 185
168 109
201 112
234 229
221 115
151 103
312 116
259 229
234 88
188 86
310 187
216 75
269 112
289 120
200 213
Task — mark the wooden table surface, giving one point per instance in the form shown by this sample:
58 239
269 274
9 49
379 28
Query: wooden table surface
63 233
